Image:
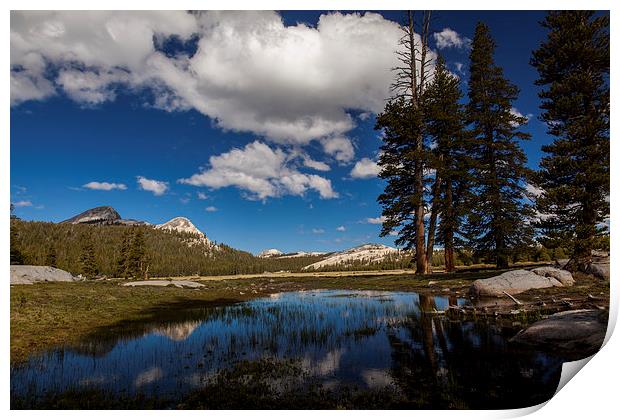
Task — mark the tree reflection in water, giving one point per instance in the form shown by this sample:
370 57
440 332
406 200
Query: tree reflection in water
445 364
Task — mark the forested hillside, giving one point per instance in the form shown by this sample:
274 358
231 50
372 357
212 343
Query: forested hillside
167 253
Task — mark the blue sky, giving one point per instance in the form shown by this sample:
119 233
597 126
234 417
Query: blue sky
84 111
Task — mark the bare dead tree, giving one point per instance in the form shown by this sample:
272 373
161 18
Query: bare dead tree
410 83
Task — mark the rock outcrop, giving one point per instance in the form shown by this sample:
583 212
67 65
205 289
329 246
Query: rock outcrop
563 276
104 215
512 282
183 225
364 254
599 267
30 274
270 253
578 333
164 283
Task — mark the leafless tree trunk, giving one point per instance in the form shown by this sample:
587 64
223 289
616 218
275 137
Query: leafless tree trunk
411 80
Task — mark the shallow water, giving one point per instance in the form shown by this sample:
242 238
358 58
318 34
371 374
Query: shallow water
339 340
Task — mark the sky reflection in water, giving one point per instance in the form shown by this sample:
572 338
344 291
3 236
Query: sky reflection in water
361 339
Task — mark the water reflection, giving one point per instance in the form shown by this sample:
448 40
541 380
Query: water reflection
339 339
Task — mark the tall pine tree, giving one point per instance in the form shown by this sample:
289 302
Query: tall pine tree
498 221
88 264
122 261
573 65
446 129
50 256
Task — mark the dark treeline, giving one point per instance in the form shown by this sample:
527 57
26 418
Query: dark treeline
455 170
134 252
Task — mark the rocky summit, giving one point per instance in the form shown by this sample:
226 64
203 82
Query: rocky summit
368 253
184 225
103 215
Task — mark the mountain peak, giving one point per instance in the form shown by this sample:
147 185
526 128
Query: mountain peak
182 224
269 253
370 253
98 215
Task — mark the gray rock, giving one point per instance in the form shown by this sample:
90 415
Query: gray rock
30 274
578 334
600 270
164 283
599 266
513 282
563 276
561 263
103 215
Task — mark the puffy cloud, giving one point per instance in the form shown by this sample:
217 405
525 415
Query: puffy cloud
202 196
104 186
23 203
261 171
211 209
314 164
250 72
376 220
341 228
109 47
318 231
449 38
341 148
365 168
152 185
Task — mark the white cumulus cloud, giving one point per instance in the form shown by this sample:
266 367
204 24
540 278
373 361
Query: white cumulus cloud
251 73
341 229
365 168
152 185
261 171
449 38
211 209
104 186
376 220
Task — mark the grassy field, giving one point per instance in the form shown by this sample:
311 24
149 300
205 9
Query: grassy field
48 315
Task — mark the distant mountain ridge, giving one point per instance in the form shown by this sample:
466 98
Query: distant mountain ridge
363 255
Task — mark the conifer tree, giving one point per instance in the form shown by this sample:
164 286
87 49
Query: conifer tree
88 264
498 220
404 152
137 263
16 256
446 128
573 66
50 257
122 262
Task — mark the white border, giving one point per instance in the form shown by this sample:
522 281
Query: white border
592 395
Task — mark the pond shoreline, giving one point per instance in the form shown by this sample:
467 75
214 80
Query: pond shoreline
49 315
316 349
